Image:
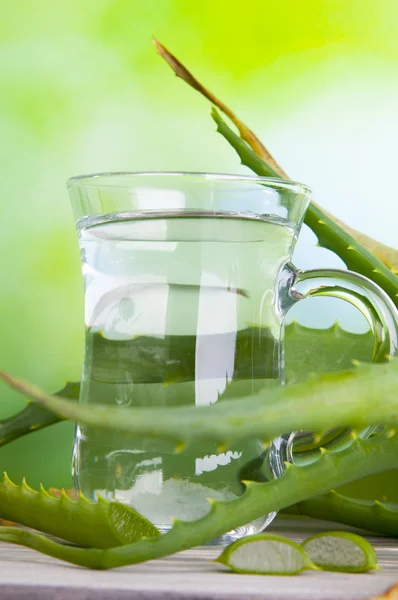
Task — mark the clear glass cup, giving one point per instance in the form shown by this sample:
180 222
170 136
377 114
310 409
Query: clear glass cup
187 282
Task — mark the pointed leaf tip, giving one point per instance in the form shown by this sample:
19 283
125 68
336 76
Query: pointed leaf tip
245 133
8 481
248 483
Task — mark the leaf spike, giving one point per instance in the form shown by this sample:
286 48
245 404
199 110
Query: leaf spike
333 493
378 503
44 492
64 498
179 447
82 498
7 481
351 436
317 438
100 499
215 504
27 487
175 522
249 483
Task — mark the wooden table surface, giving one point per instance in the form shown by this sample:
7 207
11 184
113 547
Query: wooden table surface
28 575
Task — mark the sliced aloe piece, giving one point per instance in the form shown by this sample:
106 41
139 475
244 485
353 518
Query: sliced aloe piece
128 525
341 551
100 524
265 554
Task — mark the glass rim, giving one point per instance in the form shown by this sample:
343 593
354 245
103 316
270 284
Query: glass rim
274 182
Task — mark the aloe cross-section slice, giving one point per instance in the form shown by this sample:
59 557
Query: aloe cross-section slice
341 551
265 554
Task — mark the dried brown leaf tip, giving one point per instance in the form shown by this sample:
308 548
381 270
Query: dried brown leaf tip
391 594
388 256
245 133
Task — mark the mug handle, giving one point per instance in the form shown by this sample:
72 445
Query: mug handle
369 298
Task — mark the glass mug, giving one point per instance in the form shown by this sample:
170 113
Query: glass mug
187 283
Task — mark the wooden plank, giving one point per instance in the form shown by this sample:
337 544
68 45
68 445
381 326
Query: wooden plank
189 575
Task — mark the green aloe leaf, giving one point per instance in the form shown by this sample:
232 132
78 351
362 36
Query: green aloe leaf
358 398
330 233
380 517
128 525
306 351
101 524
34 417
332 469
341 551
245 133
309 351
358 251
265 554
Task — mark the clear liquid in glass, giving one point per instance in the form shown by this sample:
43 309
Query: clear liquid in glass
179 310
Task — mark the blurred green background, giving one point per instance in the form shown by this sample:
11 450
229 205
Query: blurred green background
82 90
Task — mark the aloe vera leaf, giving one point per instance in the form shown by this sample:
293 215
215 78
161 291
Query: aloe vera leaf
309 351
265 554
330 234
387 255
306 351
246 133
267 166
151 359
358 398
380 517
341 551
332 469
34 417
102 524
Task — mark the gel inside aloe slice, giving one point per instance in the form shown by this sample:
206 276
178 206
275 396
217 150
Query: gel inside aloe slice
341 551
265 554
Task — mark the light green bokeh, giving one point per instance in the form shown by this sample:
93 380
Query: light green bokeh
82 90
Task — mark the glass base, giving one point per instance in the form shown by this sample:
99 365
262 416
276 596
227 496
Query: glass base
251 528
